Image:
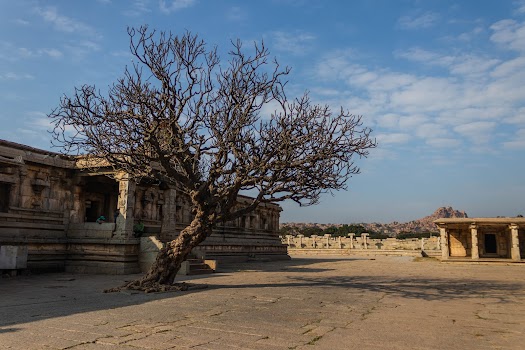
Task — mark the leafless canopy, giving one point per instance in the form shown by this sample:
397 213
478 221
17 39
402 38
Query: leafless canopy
180 115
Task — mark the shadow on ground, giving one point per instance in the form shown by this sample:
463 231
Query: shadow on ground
31 298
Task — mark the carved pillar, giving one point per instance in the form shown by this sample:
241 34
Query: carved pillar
314 241
327 240
169 214
339 242
126 202
77 214
364 235
475 245
443 237
300 240
351 235
515 243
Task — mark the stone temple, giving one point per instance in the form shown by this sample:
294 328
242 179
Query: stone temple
50 204
486 239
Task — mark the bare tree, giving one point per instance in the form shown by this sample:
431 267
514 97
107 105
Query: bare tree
181 116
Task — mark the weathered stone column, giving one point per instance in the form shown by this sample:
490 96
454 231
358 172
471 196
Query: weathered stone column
475 246
314 241
443 237
339 242
515 243
169 214
300 240
126 202
351 235
364 235
327 240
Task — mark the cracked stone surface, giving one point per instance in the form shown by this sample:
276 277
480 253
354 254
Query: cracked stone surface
306 303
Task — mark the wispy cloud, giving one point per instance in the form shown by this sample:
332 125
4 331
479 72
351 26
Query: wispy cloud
16 76
175 5
473 101
137 8
235 13
12 53
510 34
518 141
21 22
63 23
425 20
297 42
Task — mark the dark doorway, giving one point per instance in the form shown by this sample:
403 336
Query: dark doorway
4 197
490 243
92 211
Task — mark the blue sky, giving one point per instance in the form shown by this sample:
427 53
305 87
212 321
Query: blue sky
439 82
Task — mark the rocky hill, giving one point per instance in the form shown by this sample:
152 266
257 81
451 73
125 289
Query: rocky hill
420 225
415 226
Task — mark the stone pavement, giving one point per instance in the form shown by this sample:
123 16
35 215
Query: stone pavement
306 303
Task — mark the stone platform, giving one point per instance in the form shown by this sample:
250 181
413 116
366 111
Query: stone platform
307 303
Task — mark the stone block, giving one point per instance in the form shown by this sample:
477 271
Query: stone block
13 257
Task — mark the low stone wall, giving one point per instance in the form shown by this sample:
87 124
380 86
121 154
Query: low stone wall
327 244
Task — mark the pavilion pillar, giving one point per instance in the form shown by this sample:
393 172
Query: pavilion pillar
364 235
351 235
126 203
475 245
515 243
169 215
443 237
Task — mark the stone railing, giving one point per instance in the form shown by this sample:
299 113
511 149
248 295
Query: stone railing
361 243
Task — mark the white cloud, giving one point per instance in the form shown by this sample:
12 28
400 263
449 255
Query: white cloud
443 142
63 23
430 131
425 20
461 64
235 13
296 43
520 6
175 5
393 138
510 34
21 22
15 76
477 132
518 142
10 52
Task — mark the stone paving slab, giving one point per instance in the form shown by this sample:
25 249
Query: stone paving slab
306 303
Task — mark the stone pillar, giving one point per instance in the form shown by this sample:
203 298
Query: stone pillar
126 202
422 244
364 235
443 237
515 243
300 240
327 240
169 214
351 235
475 245
339 242
314 241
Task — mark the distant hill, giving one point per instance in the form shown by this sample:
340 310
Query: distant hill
394 228
425 224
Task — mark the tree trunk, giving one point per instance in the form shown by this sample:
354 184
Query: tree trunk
162 273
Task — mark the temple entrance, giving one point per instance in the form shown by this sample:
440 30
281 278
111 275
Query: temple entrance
4 197
491 246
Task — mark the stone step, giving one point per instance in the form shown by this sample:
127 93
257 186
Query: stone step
197 267
201 271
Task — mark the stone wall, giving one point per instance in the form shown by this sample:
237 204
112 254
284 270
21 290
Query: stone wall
353 243
49 206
